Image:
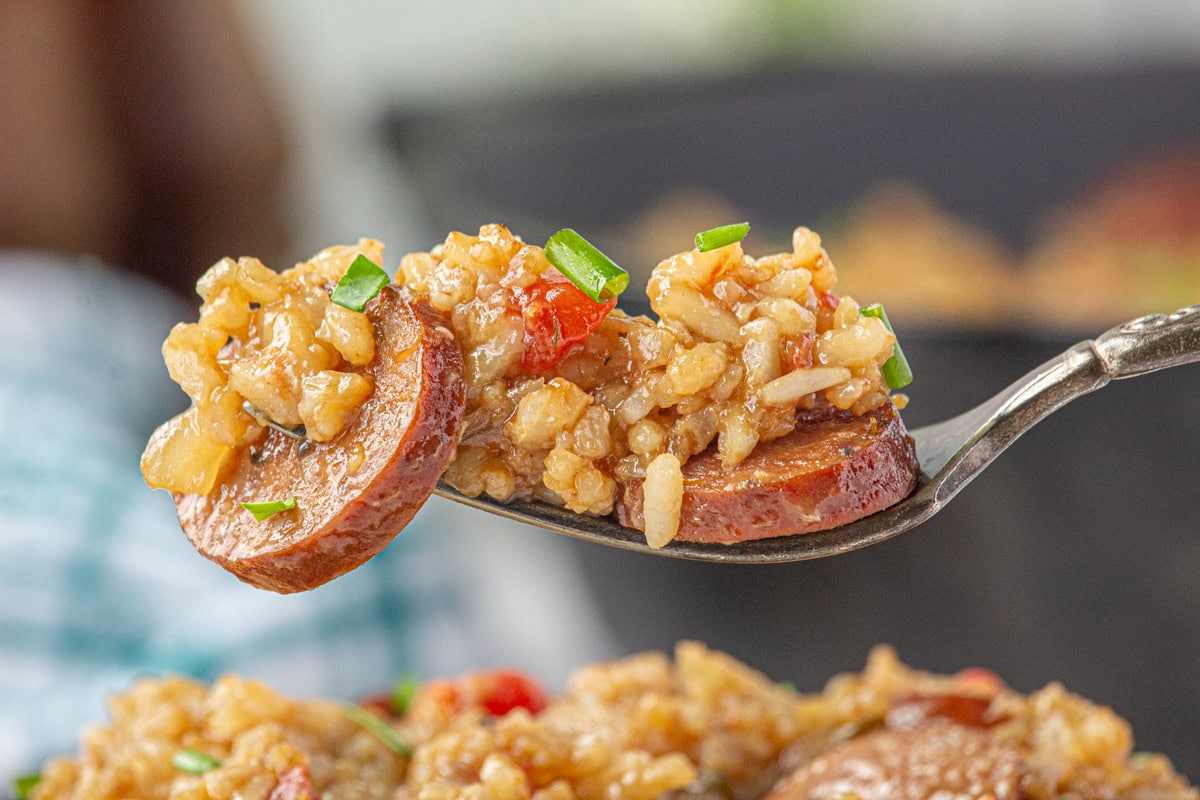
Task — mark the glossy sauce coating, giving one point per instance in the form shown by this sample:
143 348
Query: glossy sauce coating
355 493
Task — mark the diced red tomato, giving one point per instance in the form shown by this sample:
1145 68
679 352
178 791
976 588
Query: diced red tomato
501 691
497 693
295 784
558 316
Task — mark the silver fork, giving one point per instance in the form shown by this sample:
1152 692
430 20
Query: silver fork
951 453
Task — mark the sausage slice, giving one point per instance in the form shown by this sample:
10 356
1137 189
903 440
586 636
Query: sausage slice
832 469
355 493
938 760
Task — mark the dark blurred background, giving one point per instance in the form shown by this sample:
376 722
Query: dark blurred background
1008 177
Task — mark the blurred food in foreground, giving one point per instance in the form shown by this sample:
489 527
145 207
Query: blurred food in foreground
643 728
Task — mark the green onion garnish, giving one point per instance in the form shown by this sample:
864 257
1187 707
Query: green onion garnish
719 237
360 284
403 691
23 785
896 370
269 508
193 762
378 727
589 269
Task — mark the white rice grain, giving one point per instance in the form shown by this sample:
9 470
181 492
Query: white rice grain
662 499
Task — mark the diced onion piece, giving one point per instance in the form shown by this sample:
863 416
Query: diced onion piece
796 384
180 458
662 499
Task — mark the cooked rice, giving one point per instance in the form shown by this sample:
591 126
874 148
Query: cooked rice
635 729
273 340
739 345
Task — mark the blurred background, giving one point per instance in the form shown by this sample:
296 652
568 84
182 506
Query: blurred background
1008 177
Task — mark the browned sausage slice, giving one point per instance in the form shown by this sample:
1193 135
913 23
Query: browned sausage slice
355 493
832 469
938 760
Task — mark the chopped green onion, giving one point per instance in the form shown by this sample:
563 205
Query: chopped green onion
403 691
589 269
378 727
269 508
362 282
787 686
23 785
896 370
719 237
193 762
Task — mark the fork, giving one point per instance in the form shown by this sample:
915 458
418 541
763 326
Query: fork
951 453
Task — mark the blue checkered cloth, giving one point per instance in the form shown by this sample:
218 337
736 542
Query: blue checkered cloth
98 585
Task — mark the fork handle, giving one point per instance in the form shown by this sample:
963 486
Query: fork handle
1150 343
